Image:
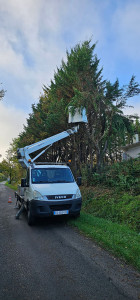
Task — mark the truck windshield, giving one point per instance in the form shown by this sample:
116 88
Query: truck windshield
51 175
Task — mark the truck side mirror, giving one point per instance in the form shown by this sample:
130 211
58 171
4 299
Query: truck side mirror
23 182
79 181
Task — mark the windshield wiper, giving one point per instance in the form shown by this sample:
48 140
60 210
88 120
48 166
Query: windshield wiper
41 181
62 181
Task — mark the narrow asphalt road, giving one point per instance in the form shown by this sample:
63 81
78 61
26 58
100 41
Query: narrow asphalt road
52 261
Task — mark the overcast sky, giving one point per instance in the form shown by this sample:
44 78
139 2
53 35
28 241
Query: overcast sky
34 37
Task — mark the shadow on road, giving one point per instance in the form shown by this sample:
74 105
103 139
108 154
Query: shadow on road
50 222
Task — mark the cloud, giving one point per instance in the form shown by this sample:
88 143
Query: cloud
126 24
26 53
34 36
133 107
11 124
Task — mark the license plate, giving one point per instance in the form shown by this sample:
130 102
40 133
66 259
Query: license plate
61 212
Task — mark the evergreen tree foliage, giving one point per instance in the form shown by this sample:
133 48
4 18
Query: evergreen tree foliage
78 82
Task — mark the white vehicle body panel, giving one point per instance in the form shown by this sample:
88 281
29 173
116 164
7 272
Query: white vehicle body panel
55 188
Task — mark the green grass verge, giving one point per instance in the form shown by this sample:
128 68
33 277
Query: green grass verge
11 186
114 205
121 240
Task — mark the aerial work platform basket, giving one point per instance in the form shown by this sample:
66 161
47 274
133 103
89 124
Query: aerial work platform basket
78 116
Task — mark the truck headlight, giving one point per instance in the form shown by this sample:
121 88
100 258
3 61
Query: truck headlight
78 194
37 196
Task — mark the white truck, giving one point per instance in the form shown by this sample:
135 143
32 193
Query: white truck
49 189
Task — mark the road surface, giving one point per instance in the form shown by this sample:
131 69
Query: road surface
52 261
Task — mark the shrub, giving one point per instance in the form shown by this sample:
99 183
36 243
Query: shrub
123 176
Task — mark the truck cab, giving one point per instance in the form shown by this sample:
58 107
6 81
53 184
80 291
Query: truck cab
50 190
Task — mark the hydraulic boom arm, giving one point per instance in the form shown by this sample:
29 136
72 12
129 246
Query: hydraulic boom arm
24 153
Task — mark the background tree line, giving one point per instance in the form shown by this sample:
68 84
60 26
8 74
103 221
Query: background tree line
79 82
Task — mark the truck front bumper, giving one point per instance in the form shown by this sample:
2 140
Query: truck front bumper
46 208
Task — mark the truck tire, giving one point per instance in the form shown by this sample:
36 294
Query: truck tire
76 216
30 218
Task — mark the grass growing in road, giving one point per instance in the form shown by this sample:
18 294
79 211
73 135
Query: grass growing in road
122 241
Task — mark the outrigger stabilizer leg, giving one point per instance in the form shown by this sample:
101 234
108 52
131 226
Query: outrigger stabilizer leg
20 211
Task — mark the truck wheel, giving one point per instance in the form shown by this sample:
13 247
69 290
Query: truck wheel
30 217
76 216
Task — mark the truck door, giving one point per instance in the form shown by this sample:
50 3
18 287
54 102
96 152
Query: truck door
27 189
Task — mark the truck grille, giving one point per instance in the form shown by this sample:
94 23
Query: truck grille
60 207
59 197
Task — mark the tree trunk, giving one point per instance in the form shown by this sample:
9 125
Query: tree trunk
100 157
